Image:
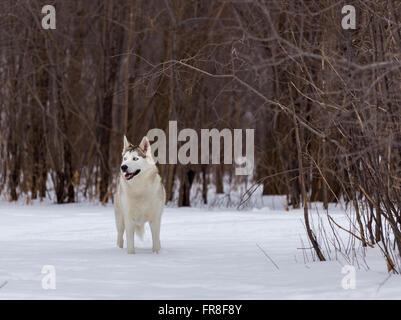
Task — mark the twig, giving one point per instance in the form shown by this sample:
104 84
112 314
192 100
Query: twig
3 284
383 283
350 232
264 252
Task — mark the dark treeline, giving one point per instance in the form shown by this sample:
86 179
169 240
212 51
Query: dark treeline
324 102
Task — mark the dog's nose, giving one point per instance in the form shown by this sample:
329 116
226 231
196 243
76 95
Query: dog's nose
124 167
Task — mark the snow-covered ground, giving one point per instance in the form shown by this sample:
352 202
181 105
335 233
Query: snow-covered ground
206 254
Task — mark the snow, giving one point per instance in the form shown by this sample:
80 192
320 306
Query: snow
206 254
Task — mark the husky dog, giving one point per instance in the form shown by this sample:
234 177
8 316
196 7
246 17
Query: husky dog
140 195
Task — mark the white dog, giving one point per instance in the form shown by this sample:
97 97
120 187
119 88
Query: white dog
140 195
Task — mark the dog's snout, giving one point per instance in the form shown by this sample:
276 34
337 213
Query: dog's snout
124 167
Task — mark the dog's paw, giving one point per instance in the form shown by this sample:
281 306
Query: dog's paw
156 249
131 251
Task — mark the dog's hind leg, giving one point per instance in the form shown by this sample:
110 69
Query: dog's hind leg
155 228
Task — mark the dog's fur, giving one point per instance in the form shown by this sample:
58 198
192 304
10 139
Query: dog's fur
139 198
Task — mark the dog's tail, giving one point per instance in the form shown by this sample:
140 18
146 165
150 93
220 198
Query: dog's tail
140 230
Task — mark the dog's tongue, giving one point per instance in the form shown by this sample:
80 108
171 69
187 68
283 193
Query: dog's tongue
128 175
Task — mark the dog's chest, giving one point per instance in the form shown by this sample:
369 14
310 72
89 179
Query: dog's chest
139 205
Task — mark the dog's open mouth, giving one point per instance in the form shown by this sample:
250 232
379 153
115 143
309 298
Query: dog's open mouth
129 176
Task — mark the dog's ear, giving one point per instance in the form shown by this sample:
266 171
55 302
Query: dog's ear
145 145
126 144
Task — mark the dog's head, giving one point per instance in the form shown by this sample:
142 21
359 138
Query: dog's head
136 159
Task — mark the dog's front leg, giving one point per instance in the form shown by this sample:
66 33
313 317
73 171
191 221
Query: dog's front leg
155 228
119 223
120 239
120 233
130 233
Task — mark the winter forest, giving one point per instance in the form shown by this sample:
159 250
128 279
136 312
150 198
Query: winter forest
324 102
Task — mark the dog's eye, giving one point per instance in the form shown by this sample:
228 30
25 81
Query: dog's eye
135 158
125 158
